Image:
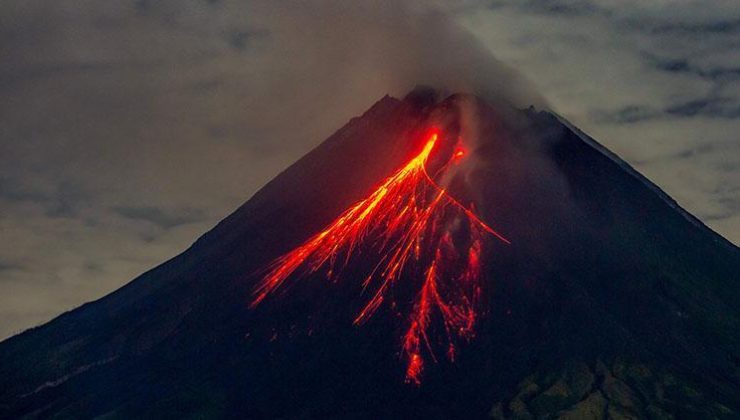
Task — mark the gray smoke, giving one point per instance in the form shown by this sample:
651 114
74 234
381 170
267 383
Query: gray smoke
350 50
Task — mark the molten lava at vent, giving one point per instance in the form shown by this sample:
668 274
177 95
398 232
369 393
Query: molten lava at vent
416 231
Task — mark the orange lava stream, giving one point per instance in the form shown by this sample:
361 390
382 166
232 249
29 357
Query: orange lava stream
408 218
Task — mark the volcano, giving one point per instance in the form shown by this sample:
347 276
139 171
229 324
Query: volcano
437 257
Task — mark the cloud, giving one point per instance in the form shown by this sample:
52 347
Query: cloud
712 107
129 128
683 65
160 218
10 266
654 81
626 115
723 27
244 39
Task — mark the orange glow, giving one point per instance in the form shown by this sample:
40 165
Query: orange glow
409 223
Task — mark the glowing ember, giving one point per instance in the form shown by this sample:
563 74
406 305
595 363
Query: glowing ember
416 229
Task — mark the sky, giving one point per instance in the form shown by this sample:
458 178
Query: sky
129 128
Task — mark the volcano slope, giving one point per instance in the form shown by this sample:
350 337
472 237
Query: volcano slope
610 301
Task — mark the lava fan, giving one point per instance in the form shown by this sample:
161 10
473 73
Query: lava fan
416 232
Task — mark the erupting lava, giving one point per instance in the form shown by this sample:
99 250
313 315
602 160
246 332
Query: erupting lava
413 228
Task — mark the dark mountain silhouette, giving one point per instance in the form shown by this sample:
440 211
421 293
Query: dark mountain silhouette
611 301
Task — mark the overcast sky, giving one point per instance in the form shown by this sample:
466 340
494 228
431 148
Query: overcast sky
129 128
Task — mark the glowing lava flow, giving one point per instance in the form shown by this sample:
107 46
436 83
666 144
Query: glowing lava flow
414 227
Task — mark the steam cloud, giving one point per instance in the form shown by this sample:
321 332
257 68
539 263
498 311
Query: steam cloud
345 52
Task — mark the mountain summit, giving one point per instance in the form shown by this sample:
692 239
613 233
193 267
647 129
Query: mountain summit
437 257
